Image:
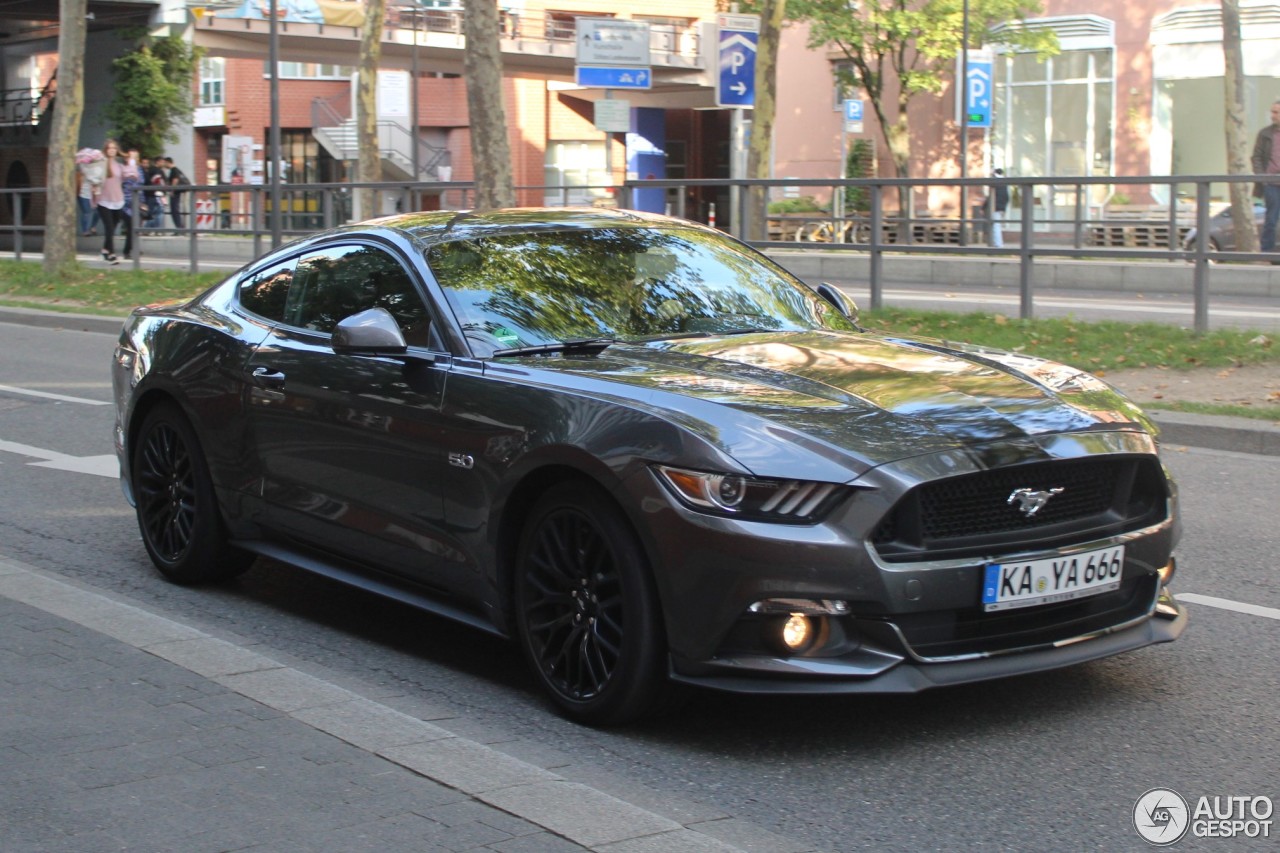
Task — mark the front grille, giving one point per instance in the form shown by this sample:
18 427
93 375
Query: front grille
971 515
974 631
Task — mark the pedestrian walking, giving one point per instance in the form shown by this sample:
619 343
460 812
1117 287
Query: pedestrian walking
1266 161
997 204
110 201
152 212
90 170
131 186
173 177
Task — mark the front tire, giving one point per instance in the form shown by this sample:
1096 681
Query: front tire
586 610
177 509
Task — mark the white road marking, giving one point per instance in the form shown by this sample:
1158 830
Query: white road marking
9 389
1228 604
102 466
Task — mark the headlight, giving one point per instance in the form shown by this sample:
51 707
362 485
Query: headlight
737 496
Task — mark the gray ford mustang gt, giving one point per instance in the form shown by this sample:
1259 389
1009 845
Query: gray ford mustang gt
648 454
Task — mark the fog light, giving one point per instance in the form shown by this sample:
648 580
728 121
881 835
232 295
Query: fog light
1166 572
797 633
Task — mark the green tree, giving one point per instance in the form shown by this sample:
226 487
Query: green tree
759 163
370 153
482 67
1233 79
60 222
152 92
898 49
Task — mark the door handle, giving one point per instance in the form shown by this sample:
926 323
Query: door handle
268 377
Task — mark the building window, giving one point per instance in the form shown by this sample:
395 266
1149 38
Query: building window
575 174
213 79
312 71
842 77
1054 117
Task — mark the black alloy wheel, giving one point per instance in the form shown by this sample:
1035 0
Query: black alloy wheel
586 610
176 506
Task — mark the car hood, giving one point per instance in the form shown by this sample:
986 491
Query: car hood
880 398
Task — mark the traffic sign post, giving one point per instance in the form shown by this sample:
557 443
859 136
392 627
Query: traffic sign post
736 79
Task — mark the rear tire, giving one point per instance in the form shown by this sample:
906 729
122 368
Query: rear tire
178 513
586 610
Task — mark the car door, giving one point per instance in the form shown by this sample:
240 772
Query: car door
349 444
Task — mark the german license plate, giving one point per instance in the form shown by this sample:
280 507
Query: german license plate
1007 586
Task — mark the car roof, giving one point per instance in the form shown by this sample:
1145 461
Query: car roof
433 227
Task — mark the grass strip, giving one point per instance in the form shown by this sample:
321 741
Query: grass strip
1094 346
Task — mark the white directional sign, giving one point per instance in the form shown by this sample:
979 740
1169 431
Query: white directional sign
613 115
608 41
736 80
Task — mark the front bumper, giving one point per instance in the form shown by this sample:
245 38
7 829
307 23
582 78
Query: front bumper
872 670
900 627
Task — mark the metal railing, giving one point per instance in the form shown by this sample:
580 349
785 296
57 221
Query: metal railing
1178 231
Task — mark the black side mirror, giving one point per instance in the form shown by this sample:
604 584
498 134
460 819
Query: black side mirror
370 332
842 301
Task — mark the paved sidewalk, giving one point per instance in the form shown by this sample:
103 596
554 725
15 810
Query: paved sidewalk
123 730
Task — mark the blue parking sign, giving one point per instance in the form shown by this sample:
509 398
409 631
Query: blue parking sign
736 80
979 93
853 109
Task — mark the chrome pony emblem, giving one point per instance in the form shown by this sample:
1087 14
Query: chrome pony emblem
1031 501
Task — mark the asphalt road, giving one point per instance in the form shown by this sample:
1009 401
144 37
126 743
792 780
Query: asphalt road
1047 762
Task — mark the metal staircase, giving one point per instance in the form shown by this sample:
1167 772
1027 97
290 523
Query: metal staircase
336 131
25 118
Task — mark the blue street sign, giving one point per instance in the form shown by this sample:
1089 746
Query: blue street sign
736 82
979 93
613 77
853 109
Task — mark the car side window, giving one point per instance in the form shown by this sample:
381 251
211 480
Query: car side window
265 292
332 284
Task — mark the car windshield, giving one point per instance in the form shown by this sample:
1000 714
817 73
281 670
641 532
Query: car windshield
528 289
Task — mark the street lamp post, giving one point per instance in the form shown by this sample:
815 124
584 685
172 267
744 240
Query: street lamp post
413 131
414 95
273 144
964 124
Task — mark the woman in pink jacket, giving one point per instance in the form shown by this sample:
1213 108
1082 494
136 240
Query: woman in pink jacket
110 201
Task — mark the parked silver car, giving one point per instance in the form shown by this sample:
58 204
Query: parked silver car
1222 230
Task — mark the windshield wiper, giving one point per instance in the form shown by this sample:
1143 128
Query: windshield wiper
586 345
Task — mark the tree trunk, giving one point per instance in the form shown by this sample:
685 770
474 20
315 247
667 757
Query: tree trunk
762 119
1238 155
61 224
370 163
898 135
482 67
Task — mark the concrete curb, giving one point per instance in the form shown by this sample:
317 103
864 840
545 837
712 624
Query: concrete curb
58 320
565 808
1240 435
